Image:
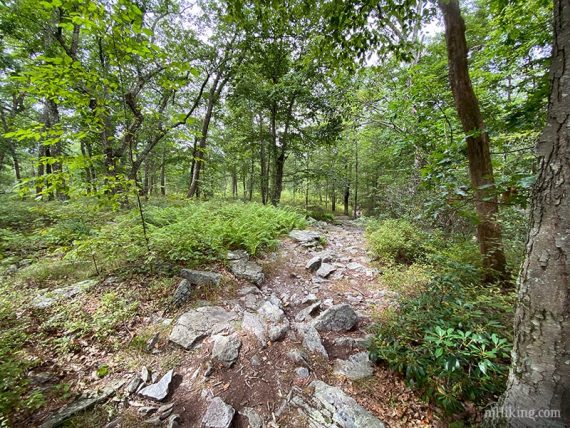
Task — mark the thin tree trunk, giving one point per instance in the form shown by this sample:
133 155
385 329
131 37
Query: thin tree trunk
163 174
17 173
356 180
478 152
540 371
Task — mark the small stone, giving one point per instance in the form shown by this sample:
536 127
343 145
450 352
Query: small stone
278 331
173 421
325 270
146 410
307 312
298 357
209 369
133 384
313 264
310 299
302 372
158 391
218 414
253 418
151 343
337 318
238 255
145 374
255 361
167 408
226 349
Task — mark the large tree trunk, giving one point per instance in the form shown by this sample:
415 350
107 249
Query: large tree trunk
540 371
478 152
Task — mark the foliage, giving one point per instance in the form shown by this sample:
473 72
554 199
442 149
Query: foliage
396 241
191 234
451 341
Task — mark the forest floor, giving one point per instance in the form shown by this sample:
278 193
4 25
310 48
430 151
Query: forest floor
266 383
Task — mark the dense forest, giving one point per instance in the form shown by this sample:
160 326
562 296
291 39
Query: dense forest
302 213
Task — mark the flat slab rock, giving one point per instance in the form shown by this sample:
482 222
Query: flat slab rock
159 390
248 270
198 323
305 236
226 349
358 366
325 270
336 318
201 278
48 299
330 407
218 414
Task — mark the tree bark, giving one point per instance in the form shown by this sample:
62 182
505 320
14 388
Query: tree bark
540 371
478 152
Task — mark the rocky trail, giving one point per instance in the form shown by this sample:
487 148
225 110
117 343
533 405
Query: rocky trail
285 348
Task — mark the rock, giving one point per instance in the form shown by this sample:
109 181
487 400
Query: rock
146 410
355 266
298 357
182 293
173 421
358 366
302 372
253 324
226 349
198 323
308 311
238 255
310 299
253 418
151 343
359 342
336 318
153 422
248 290
165 410
218 414
330 407
312 339
325 270
248 270
48 299
255 361
306 238
278 331
81 406
158 391
201 278
145 374
11 270
271 312
133 384
313 264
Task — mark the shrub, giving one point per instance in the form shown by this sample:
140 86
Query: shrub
452 342
396 241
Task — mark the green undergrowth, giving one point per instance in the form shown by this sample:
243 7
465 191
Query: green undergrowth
45 245
449 335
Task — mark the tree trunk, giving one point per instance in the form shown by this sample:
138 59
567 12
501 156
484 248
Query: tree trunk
263 163
17 173
201 149
540 371
478 152
163 174
278 177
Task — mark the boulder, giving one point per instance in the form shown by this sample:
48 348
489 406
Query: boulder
336 318
198 323
159 390
218 414
226 349
201 278
358 366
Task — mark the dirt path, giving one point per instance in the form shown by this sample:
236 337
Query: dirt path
289 353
